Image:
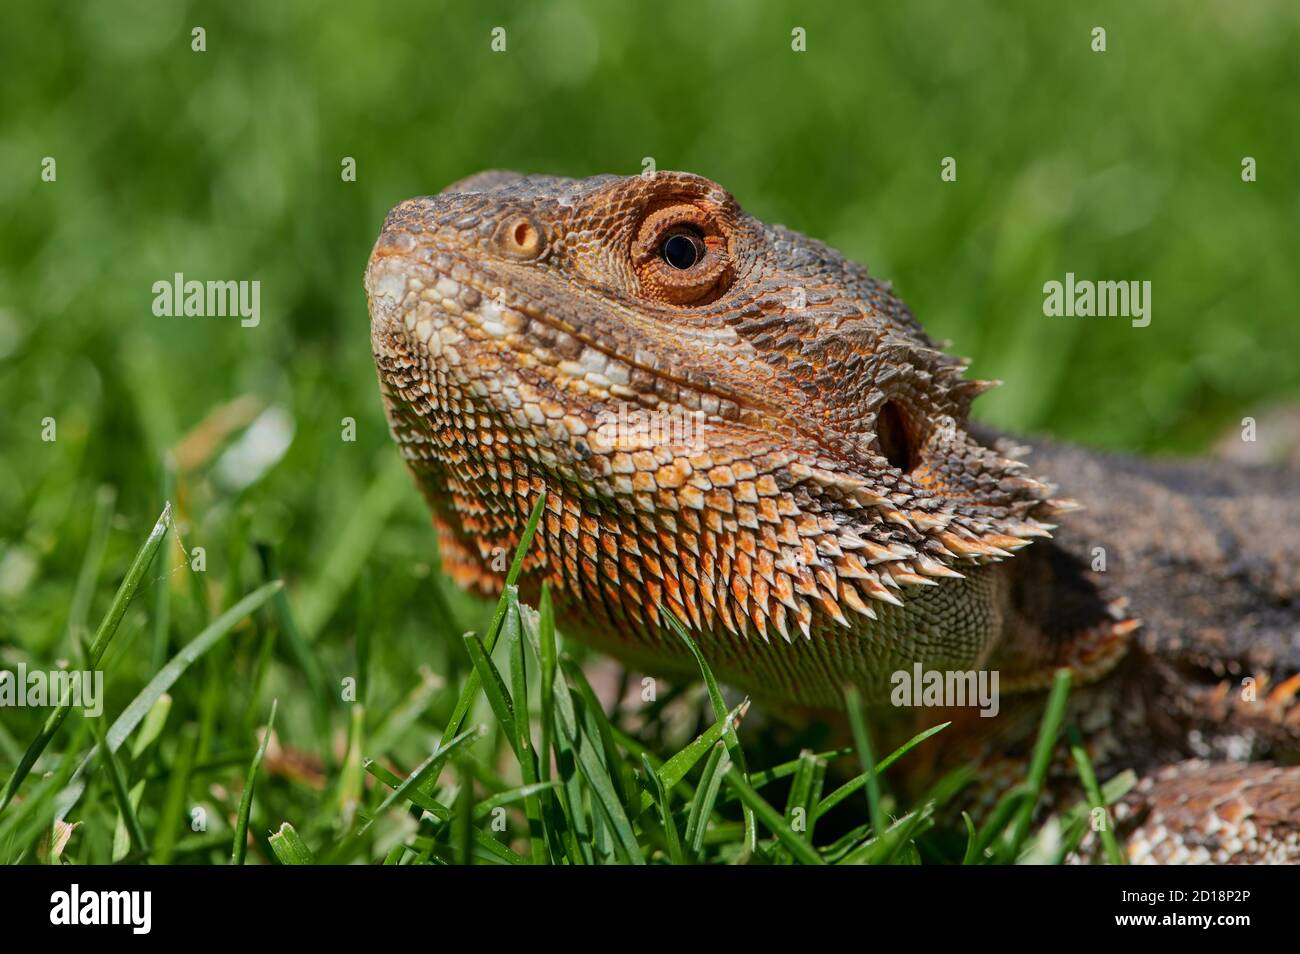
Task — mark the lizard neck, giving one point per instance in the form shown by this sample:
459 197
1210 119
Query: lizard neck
1203 554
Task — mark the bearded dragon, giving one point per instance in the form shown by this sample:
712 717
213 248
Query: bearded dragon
732 423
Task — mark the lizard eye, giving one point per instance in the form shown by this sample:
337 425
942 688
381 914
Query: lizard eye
682 255
682 249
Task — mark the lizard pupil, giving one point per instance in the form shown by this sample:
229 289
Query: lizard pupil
680 251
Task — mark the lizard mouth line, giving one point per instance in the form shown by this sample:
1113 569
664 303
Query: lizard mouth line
479 281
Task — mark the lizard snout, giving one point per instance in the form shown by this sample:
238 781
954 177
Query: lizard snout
386 284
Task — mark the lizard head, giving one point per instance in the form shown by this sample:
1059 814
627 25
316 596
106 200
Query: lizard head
514 317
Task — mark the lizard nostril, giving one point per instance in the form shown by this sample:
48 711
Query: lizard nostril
519 237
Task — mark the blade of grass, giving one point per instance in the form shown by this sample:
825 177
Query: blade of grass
802 799
1112 790
1068 838
858 781
422 802
161 616
414 782
246 800
84 590
149 732
117 778
874 850
524 743
902 838
599 729
443 814
1093 792
786 769
365 630
351 773
675 769
289 846
469 691
578 840
265 650
236 547
103 635
548 655
772 820
494 687
719 713
585 825
211 676
462 821
675 854
1048 731
176 796
524 792
166 677
599 781
152 727
559 812
995 824
862 740
706 795
972 840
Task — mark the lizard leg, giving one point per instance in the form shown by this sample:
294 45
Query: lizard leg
1060 615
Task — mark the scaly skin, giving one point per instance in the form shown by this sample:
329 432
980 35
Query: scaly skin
734 424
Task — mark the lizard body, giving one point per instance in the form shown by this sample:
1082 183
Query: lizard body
732 423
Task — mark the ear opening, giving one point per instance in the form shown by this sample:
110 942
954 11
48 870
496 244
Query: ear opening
893 440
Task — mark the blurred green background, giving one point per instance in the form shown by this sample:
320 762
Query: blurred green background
226 165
